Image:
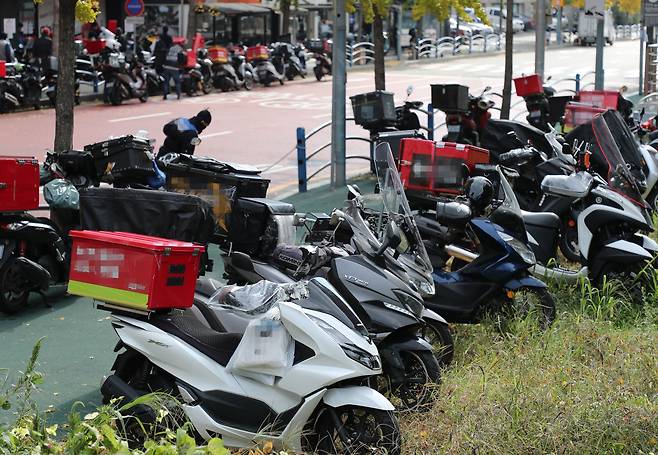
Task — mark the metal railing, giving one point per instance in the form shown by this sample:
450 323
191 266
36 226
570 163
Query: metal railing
628 31
360 53
463 44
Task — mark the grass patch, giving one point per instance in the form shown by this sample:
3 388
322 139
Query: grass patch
589 385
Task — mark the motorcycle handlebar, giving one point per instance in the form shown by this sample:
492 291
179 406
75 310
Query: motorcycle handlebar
517 155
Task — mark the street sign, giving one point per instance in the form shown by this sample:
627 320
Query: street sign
650 12
134 7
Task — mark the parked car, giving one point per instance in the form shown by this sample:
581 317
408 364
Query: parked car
528 21
496 17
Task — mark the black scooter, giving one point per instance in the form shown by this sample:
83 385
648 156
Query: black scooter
33 257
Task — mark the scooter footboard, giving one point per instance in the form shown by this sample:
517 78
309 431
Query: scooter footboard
357 396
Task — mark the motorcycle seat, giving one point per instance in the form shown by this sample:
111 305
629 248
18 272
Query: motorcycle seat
219 346
546 219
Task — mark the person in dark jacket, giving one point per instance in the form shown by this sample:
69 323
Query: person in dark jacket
161 48
43 46
182 134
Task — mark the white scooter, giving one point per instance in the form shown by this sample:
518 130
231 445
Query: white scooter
318 403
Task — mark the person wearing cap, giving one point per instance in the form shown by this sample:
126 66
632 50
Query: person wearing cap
182 134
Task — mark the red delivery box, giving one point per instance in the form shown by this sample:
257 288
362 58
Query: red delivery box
19 184
529 85
3 68
437 167
94 46
603 99
218 54
135 271
257 53
579 114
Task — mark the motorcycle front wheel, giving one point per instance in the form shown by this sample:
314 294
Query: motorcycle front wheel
569 242
532 302
115 96
438 335
248 81
353 430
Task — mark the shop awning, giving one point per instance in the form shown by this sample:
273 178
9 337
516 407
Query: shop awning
234 9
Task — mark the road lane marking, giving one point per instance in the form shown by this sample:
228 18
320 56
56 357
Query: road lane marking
138 117
221 133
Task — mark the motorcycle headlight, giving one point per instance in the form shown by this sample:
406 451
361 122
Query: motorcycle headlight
353 352
413 306
426 289
521 249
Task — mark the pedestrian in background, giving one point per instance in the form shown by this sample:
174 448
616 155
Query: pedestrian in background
6 50
176 59
43 46
160 49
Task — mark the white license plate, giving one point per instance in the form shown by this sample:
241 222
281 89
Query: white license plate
535 114
454 128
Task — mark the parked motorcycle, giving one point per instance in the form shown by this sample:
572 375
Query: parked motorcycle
236 72
321 50
20 88
123 81
318 404
265 70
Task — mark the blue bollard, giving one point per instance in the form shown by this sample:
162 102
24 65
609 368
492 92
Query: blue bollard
301 159
430 122
577 83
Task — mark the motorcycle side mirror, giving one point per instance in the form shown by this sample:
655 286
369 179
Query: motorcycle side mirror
195 141
623 89
410 90
352 192
549 78
486 89
392 238
377 188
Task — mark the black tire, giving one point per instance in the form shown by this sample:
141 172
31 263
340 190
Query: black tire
50 264
414 392
206 86
569 242
13 292
145 97
319 74
115 97
248 81
439 336
370 431
652 198
538 302
632 279
281 81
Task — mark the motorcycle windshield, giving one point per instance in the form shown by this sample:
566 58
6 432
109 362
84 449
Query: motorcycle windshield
396 206
628 146
619 176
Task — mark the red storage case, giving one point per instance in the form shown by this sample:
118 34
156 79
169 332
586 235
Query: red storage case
3 68
218 54
578 114
134 271
603 99
257 53
437 167
19 184
94 46
191 59
529 85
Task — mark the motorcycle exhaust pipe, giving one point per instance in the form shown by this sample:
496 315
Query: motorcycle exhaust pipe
115 387
460 253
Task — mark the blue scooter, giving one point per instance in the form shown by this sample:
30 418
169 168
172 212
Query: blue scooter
496 277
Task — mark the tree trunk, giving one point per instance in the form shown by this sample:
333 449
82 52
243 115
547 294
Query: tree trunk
66 77
191 24
380 64
285 19
509 52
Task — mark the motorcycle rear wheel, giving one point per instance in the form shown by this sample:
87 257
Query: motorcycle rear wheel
368 430
248 81
569 243
115 97
319 74
13 294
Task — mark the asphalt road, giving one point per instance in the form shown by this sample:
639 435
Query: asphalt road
258 127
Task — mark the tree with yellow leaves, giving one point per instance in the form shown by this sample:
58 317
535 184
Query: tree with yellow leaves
84 11
374 12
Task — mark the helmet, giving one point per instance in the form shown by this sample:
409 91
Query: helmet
479 191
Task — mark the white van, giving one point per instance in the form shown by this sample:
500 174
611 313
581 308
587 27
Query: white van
587 28
494 15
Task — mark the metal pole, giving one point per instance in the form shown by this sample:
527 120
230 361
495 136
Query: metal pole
430 122
301 159
540 37
643 38
339 80
559 26
600 42
398 38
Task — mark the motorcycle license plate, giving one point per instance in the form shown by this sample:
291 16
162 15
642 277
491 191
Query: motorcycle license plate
2 250
453 128
535 114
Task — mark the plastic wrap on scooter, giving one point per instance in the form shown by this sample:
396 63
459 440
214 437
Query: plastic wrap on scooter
158 213
254 299
497 130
